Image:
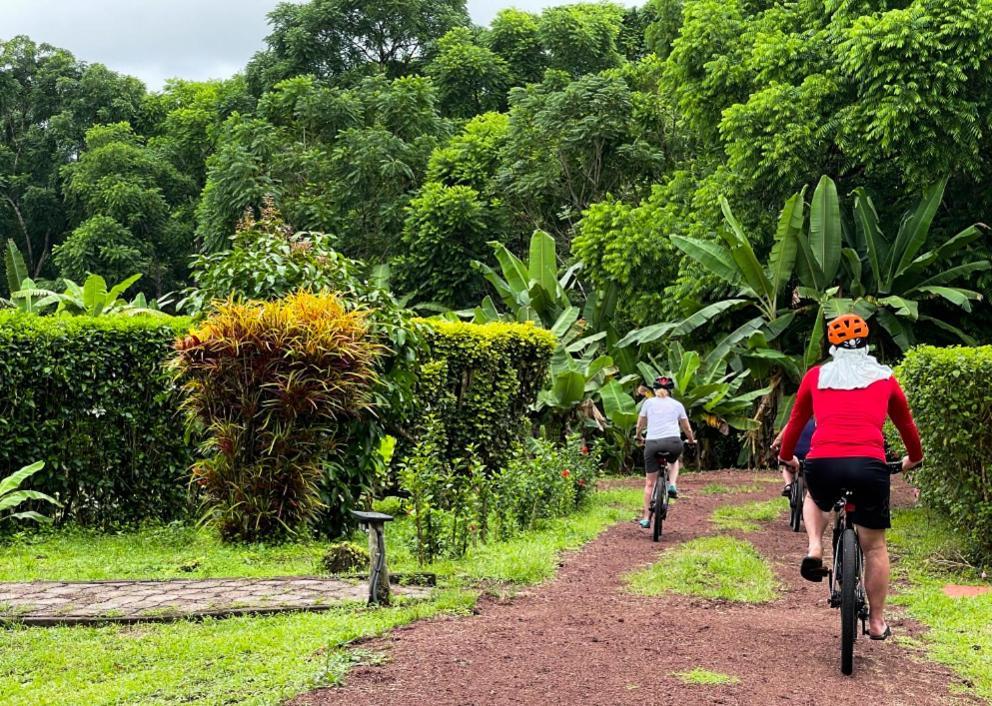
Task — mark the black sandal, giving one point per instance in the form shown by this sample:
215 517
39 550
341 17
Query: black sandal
812 569
887 633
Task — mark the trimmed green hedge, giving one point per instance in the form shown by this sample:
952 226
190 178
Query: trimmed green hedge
91 398
480 381
949 392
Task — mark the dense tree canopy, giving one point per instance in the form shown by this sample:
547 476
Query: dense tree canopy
344 39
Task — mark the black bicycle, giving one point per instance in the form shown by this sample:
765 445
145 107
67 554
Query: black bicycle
797 495
846 579
658 509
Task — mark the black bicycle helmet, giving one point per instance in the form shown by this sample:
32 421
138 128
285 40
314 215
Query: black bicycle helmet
663 383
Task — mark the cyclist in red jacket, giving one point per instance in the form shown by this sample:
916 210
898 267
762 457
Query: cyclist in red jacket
850 396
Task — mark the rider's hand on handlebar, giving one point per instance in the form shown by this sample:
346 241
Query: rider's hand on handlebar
908 465
792 464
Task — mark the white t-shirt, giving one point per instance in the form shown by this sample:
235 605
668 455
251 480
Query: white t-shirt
663 415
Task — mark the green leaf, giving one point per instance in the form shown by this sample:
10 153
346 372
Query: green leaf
513 269
118 290
618 405
825 237
14 480
954 273
854 266
866 219
790 225
713 256
915 229
903 307
544 262
896 329
727 343
14 266
953 330
814 348
955 295
32 515
569 388
565 322
743 254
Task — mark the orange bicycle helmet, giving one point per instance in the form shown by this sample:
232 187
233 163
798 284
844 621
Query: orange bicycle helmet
848 330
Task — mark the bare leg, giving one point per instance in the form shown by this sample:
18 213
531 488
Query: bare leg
876 576
787 475
673 473
816 521
649 479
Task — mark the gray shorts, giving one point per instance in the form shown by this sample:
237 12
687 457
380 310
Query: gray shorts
668 448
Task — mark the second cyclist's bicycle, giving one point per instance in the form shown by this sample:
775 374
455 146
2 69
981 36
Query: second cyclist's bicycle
797 495
658 509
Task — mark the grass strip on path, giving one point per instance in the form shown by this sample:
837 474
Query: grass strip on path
717 567
960 634
746 517
705 677
253 660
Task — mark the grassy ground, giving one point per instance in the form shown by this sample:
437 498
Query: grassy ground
747 516
710 567
960 634
721 489
241 660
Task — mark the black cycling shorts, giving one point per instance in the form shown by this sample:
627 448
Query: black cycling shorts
867 478
670 449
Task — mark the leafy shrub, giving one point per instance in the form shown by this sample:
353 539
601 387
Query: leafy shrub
267 260
455 505
446 228
549 481
92 398
480 381
342 557
949 393
447 496
271 383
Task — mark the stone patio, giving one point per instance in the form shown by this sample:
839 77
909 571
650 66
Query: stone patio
68 603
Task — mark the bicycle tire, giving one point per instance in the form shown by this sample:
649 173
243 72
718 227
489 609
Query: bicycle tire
848 600
660 505
796 503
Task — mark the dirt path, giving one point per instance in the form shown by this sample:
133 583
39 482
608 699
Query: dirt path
583 639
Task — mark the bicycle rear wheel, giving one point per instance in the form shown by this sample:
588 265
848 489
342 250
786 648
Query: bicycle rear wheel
796 503
848 599
660 505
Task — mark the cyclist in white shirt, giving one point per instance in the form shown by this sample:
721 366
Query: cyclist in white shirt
663 418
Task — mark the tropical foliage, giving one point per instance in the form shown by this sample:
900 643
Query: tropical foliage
270 384
12 496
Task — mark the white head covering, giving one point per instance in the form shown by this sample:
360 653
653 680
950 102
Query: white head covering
851 369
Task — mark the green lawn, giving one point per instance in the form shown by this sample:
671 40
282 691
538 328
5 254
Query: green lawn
747 516
960 633
241 660
710 567
705 677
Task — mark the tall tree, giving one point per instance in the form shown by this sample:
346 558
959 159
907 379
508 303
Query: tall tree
47 101
337 39
469 77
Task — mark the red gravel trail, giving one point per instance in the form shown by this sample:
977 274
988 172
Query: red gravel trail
583 639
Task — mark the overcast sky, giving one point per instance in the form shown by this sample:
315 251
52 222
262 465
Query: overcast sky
159 39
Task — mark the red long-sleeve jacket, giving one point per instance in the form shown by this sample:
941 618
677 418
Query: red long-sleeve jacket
849 422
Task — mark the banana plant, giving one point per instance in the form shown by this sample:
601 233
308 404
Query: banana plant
714 397
11 495
93 298
882 277
25 295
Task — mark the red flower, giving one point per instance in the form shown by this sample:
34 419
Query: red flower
585 450
582 482
565 473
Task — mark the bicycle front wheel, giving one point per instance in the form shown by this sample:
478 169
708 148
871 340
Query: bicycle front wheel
796 503
848 599
660 505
